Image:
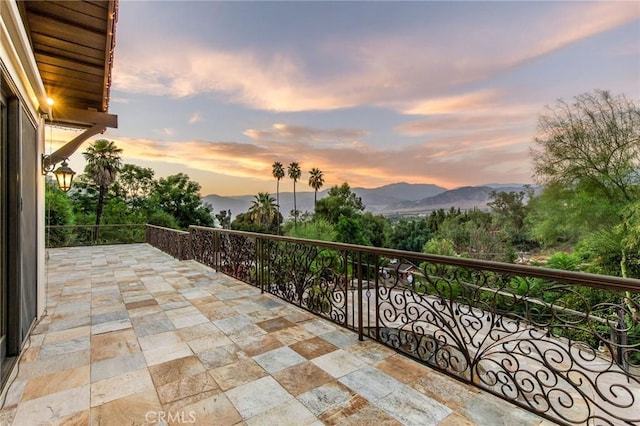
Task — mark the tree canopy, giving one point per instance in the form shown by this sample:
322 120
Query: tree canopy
134 183
316 181
595 140
103 164
588 159
180 197
341 201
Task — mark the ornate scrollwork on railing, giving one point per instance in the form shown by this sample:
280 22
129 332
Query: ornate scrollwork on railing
171 241
534 342
203 246
307 276
238 257
563 345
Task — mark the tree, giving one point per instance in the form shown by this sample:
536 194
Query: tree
374 229
509 213
278 172
224 219
339 202
162 218
591 150
59 214
315 230
246 222
440 246
349 230
595 140
180 197
84 197
294 173
316 180
134 184
263 209
103 164
563 216
408 234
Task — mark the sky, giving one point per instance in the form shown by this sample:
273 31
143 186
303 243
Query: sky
371 93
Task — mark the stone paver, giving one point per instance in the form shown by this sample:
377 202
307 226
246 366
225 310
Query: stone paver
133 336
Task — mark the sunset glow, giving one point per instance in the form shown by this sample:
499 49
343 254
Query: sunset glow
369 92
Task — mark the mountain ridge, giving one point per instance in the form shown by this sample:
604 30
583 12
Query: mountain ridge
400 197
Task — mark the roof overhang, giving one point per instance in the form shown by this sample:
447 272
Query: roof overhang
73 44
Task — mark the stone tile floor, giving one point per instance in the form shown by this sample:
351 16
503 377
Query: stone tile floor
133 336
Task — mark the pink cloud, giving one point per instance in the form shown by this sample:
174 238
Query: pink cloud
287 132
470 160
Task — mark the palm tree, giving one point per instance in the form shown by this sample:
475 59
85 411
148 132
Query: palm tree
103 164
316 180
294 173
263 209
278 173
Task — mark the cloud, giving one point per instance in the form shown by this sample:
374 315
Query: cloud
119 100
402 69
287 132
496 155
276 83
458 123
195 117
165 131
476 111
474 101
570 24
460 114
449 161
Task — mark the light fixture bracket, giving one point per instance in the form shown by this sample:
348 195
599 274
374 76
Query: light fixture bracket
47 165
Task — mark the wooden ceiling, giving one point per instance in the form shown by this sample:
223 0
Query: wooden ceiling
73 44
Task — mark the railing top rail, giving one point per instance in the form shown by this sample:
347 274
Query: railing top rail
177 231
112 225
580 278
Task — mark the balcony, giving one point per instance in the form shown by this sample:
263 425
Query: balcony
288 331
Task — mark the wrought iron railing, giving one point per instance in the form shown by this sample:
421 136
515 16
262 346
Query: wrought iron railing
172 241
89 235
564 345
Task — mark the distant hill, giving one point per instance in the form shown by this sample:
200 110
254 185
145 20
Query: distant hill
237 204
466 197
394 198
377 199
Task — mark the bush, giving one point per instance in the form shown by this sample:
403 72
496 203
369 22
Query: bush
162 218
59 213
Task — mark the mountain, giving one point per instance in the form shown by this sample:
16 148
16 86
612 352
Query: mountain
504 185
394 198
466 197
376 199
237 204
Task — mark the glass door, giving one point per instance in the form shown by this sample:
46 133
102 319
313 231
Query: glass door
3 234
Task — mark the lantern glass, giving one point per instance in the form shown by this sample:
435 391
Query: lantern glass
64 176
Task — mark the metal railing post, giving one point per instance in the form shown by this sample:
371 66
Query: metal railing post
216 250
377 284
260 264
346 289
360 307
